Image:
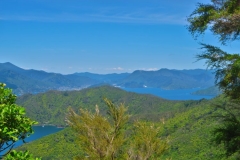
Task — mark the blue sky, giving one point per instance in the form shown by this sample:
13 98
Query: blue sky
100 36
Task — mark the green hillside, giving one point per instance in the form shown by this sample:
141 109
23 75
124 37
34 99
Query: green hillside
211 91
51 107
189 134
55 146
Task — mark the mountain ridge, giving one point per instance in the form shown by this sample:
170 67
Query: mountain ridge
168 79
24 81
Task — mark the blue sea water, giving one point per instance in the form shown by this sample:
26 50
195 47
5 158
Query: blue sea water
39 132
179 94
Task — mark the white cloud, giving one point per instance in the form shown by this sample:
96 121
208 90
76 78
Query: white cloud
44 69
26 68
115 69
118 68
149 69
152 69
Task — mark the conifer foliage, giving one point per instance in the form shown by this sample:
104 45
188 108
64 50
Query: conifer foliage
112 137
223 19
221 16
146 143
227 69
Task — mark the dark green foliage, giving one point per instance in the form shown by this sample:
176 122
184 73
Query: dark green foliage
190 133
14 155
227 68
14 125
221 16
228 132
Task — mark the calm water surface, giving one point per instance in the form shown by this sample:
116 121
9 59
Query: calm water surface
39 132
179 94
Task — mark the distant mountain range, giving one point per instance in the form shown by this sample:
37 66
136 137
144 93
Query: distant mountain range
169 79
34 81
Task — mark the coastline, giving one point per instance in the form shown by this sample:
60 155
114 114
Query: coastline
43 125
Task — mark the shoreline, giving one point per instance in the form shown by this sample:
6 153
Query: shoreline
43 125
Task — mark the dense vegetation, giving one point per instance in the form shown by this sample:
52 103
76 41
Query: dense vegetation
189 133
191 126
14 126
60 145
51 107
112 137
222 17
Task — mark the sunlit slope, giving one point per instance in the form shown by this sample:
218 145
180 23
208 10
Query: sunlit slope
189 134
57 146
51 107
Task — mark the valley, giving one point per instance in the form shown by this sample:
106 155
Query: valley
188 124
185 107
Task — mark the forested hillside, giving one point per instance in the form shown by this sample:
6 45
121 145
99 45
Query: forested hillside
51 107
189 134
99 120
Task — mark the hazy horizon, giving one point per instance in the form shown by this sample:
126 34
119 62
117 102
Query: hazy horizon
100 73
